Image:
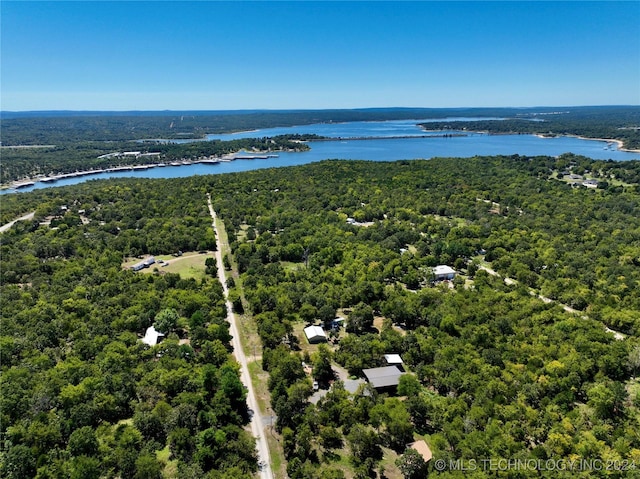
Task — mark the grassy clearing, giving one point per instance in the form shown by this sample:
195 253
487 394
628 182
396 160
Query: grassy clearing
259 379
189 265
388 462
290 266
452 221
249 337
242 234
278 463
633 389
341 459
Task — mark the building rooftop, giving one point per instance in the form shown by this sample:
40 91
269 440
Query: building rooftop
423 448
443 269
383 377
314 332
151 336
393 359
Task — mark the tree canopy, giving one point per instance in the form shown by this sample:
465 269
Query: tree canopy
523 368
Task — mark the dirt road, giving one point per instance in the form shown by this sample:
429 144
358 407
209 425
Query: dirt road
257 424
28 216
509 281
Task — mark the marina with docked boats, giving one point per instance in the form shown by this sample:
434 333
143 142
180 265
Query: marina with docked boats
211 160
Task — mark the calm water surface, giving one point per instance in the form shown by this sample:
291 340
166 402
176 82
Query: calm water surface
354 129
383 148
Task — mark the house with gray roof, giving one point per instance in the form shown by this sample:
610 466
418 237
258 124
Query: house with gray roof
383 378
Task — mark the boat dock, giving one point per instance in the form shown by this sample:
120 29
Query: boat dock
205 160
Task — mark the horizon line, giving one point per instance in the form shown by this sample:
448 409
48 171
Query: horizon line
275 110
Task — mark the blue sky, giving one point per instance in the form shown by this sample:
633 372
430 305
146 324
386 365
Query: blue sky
279 55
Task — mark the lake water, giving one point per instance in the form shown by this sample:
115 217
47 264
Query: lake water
354 129
382 148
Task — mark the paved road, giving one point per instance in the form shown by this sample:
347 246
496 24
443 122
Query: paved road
28 216
257 422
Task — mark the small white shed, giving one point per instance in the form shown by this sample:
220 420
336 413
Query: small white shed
151 336
315 334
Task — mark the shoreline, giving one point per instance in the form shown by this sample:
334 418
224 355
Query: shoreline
619 143
238 155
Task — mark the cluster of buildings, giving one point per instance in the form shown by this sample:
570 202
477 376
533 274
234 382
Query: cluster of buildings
386 377
577 180
134 154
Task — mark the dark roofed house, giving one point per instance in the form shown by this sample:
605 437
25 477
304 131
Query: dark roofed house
381 378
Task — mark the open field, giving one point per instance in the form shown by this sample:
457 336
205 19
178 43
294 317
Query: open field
189 265
290 266
340 459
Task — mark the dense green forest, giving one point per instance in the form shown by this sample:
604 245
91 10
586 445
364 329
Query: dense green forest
499 373
80 395
495 372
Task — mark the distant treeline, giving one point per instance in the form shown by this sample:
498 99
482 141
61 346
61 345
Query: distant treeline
31 128
618 123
